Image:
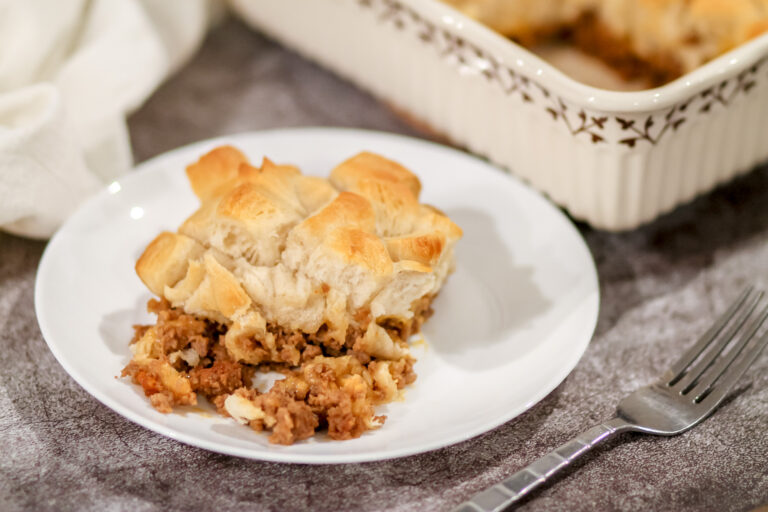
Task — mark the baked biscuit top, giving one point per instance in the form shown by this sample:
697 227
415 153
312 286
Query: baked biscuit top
269 245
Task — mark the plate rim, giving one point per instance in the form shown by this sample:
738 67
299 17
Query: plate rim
151 165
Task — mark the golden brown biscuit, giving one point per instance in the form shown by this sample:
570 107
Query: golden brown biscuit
271 247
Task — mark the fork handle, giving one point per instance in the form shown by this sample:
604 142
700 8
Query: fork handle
506 492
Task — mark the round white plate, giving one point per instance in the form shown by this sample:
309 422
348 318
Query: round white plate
509 324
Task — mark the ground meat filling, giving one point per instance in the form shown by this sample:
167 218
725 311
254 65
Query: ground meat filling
594 38
219 378
328 385
402 330
294 347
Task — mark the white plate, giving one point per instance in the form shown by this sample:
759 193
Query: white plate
509 325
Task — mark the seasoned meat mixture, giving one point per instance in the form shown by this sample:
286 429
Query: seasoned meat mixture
326 386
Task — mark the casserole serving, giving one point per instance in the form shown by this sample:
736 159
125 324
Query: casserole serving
613 159
652 40
322 281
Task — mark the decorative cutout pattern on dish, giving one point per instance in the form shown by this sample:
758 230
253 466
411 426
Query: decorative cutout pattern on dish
598 127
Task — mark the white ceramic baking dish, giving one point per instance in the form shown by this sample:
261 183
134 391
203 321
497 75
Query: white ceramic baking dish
613 159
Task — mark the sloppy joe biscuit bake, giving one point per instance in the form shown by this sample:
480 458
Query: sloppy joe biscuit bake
661 39
322 280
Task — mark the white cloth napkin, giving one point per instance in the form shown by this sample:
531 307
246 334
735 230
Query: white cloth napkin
70 72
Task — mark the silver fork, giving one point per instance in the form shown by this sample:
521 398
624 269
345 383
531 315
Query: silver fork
684 395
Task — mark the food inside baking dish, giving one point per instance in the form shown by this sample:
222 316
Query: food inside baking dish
653 41
321 280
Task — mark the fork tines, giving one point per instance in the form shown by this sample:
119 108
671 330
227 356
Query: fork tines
707 371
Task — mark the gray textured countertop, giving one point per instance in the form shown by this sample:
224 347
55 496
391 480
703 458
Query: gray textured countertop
63 450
